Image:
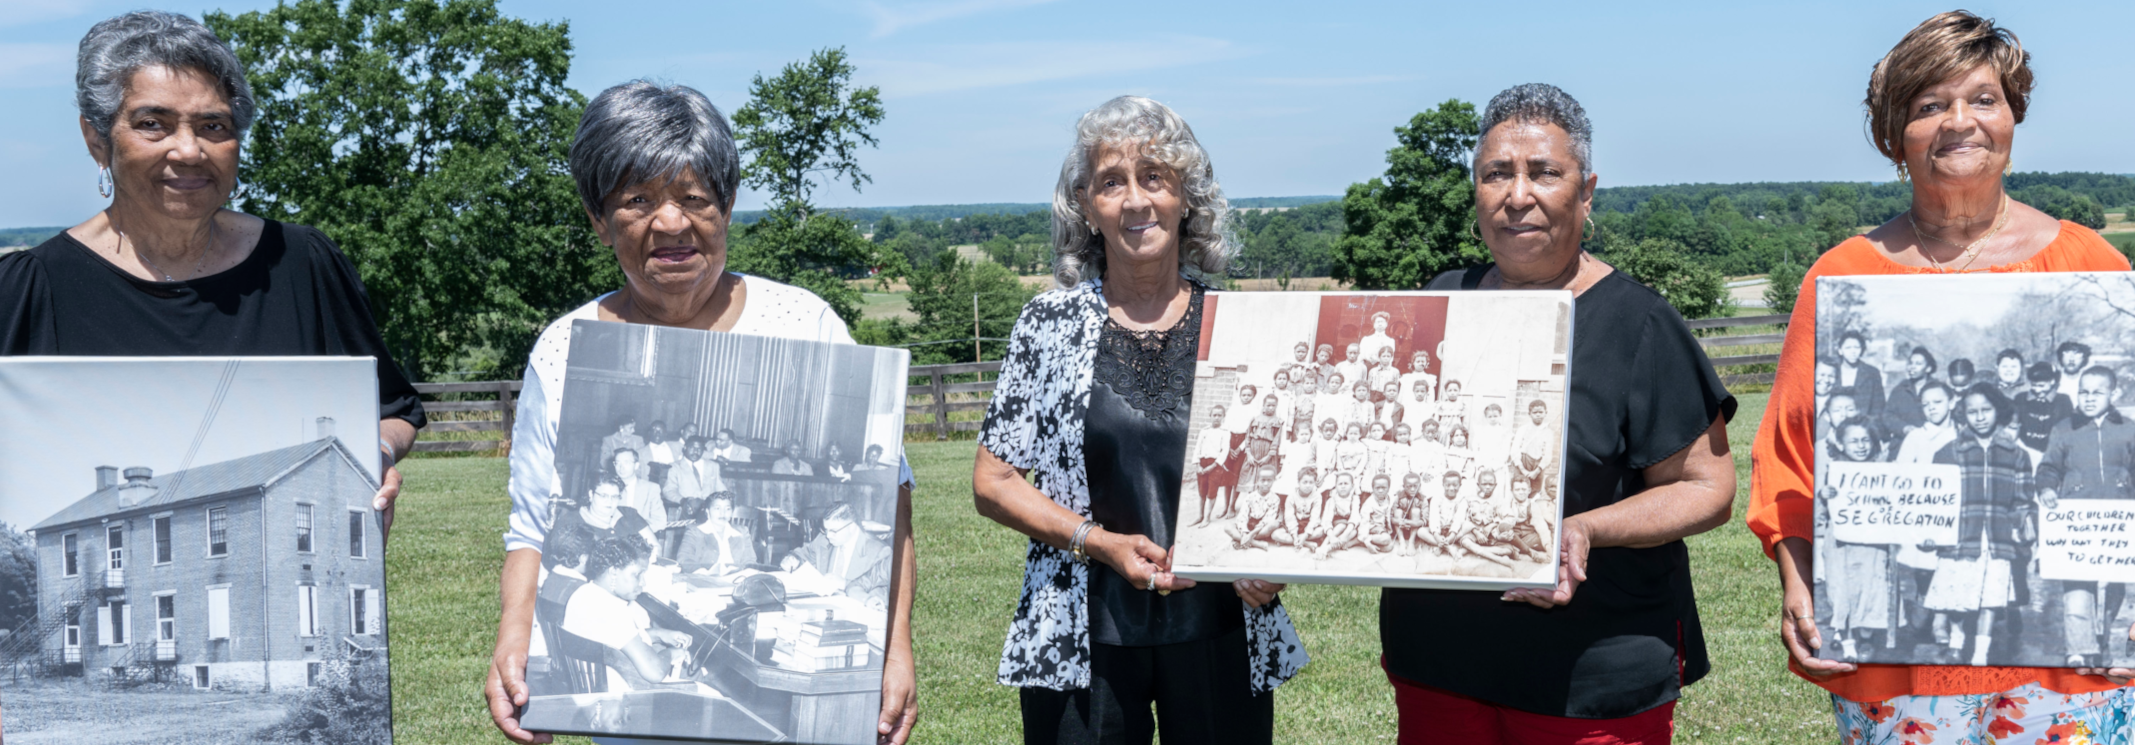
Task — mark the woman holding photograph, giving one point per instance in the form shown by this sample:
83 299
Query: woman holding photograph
1942 106
1602 655
1095 396
167 270
657 171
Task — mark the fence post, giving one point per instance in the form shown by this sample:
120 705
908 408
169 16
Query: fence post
510 403
941 408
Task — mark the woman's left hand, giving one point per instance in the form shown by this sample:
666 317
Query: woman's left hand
1257 592
1571 570
388 493
900 701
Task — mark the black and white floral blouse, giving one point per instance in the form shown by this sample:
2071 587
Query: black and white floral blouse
1035 423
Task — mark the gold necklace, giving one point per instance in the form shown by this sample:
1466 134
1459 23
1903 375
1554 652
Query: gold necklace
2001 218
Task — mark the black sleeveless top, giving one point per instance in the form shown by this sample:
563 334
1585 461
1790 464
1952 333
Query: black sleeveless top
1134 447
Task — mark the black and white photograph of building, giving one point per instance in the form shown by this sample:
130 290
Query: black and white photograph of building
1975 468
1392 439
718 560
188 551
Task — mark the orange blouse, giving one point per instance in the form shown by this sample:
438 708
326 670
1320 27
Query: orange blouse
1783 464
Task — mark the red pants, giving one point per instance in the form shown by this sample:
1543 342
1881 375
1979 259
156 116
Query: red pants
1431 715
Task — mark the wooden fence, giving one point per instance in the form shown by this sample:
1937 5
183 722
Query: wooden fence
937 391
506 405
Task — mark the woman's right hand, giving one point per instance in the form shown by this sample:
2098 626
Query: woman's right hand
507 690
1135 557
1797 610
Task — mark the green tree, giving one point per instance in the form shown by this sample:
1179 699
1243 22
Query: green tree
429 139
18 577
942 293
1784 287
886 230
808 123
1696 290
1404 228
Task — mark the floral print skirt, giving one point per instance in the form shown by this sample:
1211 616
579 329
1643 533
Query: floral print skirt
2025 715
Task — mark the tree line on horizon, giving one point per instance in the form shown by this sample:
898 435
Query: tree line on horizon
429 138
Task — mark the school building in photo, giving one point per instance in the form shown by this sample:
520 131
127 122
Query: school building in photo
242 575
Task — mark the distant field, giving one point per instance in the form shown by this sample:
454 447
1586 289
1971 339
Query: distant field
2125 241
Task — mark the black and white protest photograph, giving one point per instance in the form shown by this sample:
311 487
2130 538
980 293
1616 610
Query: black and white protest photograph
718 557
1394 439
188 551
1975 470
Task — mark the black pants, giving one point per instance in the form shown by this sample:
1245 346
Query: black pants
1202 692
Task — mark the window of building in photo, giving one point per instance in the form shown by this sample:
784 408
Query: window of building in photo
307 610
355 533
73 639
363 610
71 549
166 626
200 677
218 531
311 674
115 543
304 528
162 530
112 620
219 612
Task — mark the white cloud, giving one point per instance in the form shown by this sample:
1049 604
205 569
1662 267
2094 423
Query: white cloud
962 67
18 12
36 64
890 20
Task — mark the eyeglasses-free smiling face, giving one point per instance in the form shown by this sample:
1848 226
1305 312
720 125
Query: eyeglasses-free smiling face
174 144
1135 202
1960 128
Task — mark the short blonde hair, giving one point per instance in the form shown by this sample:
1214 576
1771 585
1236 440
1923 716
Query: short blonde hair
1078 251
1940 48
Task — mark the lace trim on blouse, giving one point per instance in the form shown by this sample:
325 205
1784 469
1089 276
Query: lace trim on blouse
1152 369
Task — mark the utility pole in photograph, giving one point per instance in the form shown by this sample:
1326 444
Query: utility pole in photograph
975 355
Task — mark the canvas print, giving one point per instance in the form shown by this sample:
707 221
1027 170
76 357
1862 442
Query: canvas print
188 551
1975 469
1404 439
718 560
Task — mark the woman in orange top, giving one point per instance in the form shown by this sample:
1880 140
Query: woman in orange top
1943 105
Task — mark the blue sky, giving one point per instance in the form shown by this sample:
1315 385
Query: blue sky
1290 98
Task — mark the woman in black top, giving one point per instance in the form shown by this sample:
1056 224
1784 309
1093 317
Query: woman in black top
1095 396
166 270
1606 651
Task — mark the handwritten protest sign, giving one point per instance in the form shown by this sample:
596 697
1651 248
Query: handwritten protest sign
1900 503
2088 540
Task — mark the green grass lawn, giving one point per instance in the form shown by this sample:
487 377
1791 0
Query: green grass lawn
446 552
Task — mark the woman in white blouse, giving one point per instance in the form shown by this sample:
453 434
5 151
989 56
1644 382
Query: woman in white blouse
657 170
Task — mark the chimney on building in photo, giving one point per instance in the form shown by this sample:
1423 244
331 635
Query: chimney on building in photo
138 487
106 477
325 428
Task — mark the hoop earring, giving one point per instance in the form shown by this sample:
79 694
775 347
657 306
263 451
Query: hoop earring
1472 233
1591 230
103 181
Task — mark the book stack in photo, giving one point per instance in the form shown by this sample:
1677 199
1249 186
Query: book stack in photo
821 646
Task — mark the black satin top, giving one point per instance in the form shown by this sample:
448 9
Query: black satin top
1134 445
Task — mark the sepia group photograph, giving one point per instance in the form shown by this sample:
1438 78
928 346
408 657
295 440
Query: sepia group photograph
188 551
1394 439
1975 469
718 558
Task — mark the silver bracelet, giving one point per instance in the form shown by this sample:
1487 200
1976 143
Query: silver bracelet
385 446
1075 544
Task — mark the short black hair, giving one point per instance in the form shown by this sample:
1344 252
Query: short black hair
2102 372
1853 336
1922 352
616 552
2008 354
2042 372
2073 346
2003 409
1962 368
565 547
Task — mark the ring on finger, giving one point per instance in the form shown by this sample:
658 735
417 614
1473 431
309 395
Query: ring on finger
1152 583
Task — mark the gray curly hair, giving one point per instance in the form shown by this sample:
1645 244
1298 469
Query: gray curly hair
1540 103
117 47
1078 251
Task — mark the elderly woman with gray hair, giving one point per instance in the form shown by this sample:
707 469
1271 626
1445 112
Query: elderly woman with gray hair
1094 396
657 172
1602 656
167 269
